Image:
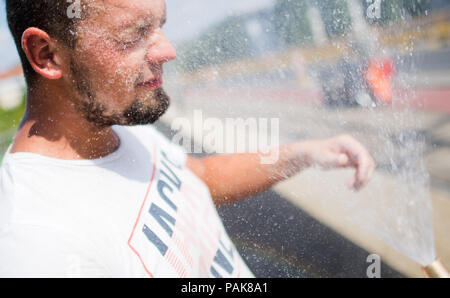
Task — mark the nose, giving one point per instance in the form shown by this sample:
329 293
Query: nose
161 50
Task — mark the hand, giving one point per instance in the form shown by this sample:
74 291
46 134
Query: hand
341 152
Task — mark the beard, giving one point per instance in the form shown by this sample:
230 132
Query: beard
146 110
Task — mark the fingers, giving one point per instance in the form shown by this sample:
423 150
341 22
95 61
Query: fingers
361 160
366 169
345 151
351 183
363 164
362 168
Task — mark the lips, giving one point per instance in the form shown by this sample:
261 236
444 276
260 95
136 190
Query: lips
152 84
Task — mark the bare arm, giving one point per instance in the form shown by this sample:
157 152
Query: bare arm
236 176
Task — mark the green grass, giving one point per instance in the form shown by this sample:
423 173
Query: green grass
9 122
11 119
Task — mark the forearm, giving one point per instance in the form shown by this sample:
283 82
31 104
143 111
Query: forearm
237 176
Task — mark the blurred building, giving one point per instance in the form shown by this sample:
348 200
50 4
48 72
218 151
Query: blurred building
261 30
12 85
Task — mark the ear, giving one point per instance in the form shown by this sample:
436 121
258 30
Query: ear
41 53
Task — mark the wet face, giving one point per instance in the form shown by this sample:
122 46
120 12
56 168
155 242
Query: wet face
116 67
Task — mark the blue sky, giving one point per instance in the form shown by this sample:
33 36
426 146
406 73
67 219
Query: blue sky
186 18
8 56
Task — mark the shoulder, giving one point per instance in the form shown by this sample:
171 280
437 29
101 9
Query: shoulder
143 131
151 135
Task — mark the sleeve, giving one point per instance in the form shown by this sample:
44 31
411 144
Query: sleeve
40 252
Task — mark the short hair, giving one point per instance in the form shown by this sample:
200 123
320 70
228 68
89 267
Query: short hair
48 15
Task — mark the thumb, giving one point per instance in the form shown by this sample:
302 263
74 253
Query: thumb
342 160
332 160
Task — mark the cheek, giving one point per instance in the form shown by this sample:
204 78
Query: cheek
114 76
122 69
113 73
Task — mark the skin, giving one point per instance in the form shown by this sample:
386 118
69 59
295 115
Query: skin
234 177
120 46
114 74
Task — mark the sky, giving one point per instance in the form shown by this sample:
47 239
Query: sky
8 56
186 19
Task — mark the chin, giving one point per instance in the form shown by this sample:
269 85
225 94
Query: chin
142 112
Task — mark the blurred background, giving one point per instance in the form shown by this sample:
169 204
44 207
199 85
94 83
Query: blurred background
377 69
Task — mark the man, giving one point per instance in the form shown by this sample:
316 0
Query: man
87 189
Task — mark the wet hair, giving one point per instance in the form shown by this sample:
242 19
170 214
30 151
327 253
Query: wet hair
48 15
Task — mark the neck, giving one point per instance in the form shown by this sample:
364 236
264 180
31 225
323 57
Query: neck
53 127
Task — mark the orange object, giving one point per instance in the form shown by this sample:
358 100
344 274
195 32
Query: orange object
15 71
379 76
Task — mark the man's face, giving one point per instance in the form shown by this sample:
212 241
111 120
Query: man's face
117 65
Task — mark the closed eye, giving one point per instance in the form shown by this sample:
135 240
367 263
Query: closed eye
128 44
141 31
163 21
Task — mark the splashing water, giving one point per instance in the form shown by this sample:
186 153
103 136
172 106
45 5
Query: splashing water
396 207
403 218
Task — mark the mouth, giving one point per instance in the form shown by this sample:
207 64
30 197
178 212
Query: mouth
152 84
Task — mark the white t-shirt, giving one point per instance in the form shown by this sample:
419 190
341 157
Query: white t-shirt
138 212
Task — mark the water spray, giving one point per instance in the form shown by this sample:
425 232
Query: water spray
436 270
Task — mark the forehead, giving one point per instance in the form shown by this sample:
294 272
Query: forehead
122 12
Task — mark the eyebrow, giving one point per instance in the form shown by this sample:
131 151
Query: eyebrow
148 22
